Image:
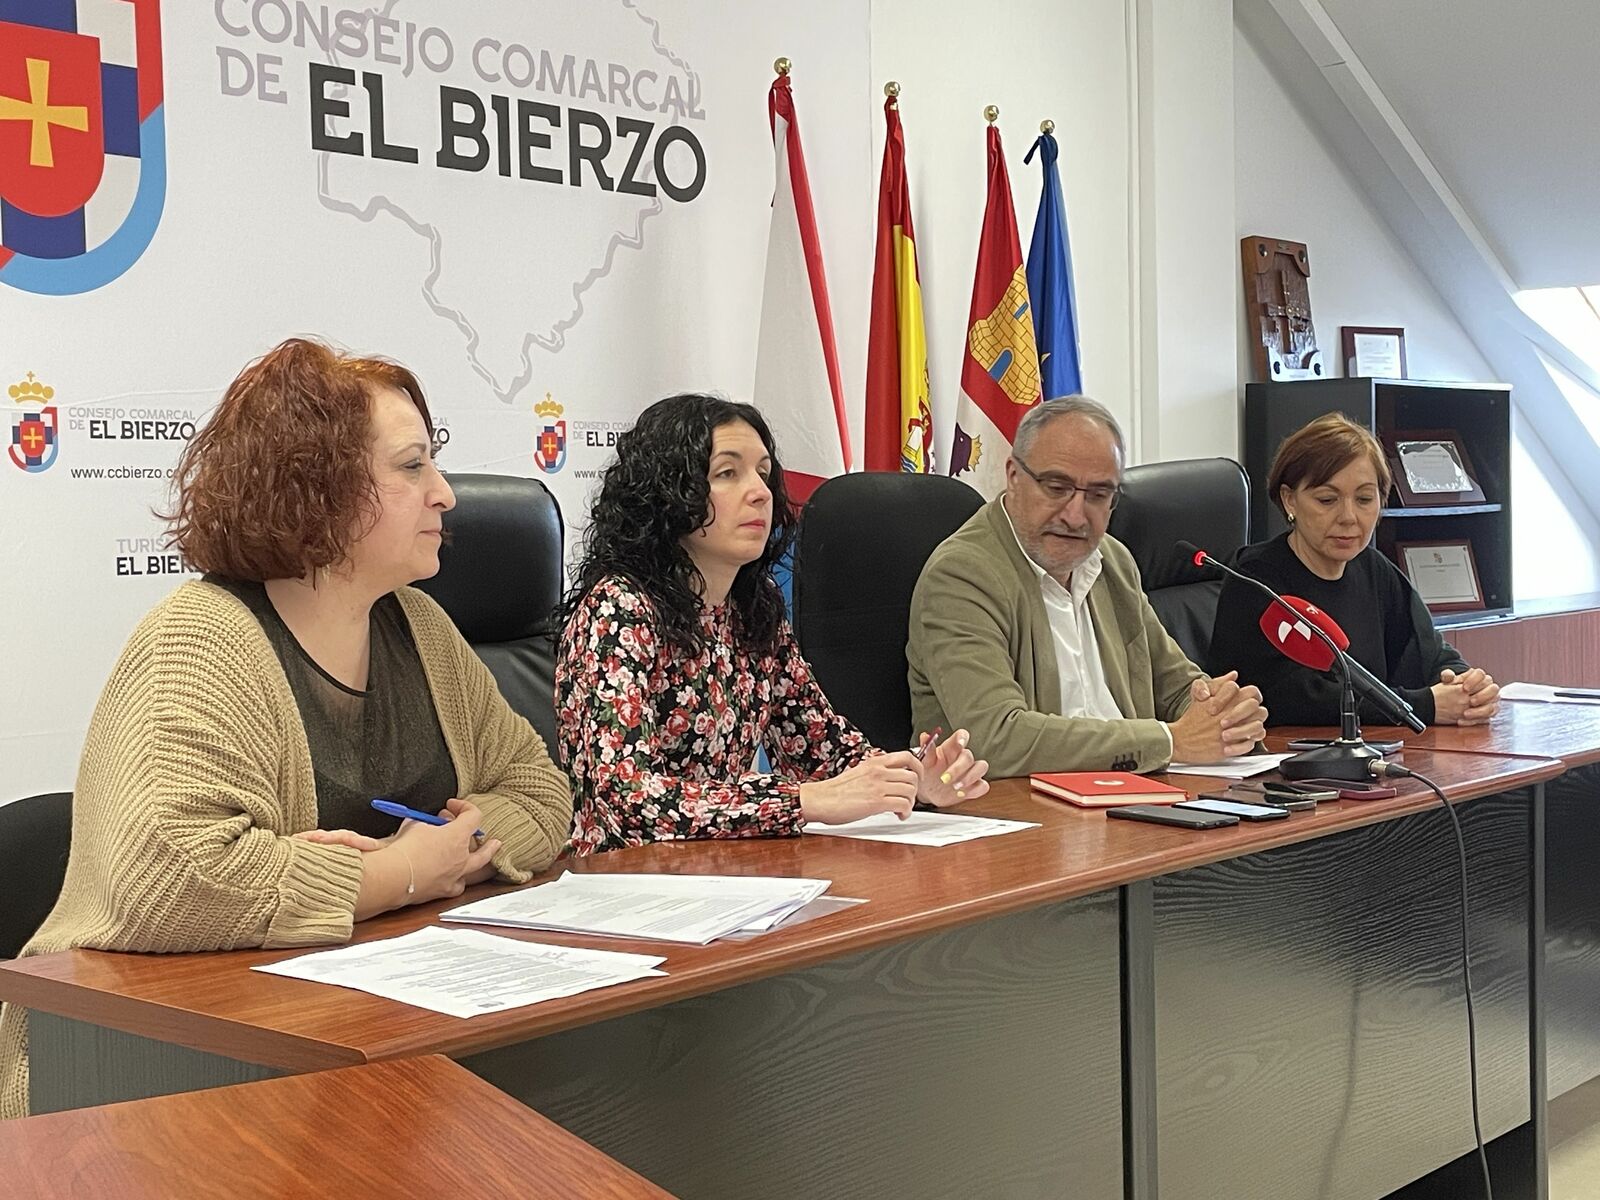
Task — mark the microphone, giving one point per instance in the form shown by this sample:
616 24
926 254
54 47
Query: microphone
1290 633
1349 756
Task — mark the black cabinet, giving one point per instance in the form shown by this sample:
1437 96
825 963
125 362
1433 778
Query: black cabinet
1479 414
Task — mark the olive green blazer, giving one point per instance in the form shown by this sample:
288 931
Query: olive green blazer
981 657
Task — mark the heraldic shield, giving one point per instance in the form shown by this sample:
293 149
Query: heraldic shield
35 440
83 148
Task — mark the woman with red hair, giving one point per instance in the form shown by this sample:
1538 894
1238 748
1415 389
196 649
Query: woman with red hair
224 794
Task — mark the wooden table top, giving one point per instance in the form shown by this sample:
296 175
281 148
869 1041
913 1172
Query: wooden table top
416 1127
1569 732
213 1002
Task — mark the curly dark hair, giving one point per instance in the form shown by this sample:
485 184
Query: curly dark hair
657 492
279 481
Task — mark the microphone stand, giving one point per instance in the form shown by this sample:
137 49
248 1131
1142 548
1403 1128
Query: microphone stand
1348 757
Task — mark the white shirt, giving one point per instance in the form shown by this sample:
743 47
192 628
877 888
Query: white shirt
1083 678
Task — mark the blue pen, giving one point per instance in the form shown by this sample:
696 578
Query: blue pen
392 809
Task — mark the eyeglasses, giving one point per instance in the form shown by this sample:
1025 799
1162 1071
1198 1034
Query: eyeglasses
1098 496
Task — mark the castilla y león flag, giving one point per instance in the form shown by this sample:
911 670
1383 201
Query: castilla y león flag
797 365
1000 371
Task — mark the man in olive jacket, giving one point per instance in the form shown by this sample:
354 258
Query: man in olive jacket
1029 627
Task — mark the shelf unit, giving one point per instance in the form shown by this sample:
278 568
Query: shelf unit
1478 413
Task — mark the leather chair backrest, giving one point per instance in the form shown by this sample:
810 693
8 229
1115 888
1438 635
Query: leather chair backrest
35 836
1202 500
864 539
500 579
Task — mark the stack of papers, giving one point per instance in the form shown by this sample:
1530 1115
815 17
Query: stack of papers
921 828
1241 766
1549 694
463 973
670 908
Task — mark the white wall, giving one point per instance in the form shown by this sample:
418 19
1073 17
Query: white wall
1188 302
1289 184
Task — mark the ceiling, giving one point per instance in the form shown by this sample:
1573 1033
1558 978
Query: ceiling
1504 100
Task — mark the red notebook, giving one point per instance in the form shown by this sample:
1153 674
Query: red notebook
1105 789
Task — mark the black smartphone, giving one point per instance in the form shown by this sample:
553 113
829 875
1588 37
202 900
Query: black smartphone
1283 800
1295 790
1171 814
1318 743
1354 789
1237 808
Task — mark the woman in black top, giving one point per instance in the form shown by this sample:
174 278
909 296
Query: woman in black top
1330 479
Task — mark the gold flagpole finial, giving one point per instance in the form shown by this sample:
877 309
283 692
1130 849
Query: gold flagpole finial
1047 126
891 89
991 114
782 66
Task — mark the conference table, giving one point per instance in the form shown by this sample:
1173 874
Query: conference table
411 1127
1092 1008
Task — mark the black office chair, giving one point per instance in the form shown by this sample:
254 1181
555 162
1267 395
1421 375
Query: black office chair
863 542
500 578
1202 500
35 835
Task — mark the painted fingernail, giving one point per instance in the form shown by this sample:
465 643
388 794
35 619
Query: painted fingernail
960 791
945 778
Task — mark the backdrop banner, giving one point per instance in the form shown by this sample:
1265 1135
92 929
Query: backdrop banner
555 213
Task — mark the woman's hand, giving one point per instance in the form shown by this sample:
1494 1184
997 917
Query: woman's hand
443 860
1467 699
882 783
949 773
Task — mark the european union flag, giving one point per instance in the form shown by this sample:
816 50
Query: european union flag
1055 319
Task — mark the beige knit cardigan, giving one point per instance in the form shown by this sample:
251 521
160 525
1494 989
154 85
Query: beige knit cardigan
196 770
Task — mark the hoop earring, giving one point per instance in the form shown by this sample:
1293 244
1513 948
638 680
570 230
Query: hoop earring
1289 515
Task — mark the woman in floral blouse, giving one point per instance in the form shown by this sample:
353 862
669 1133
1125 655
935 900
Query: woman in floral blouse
678 664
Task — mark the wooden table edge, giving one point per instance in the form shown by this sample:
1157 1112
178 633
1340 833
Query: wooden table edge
22 982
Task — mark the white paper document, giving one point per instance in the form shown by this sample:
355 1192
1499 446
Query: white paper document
921 828
1549 693
672 908
464 973
1241 766
822 906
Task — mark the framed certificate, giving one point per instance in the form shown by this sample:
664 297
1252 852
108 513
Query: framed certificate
1431 467
1378 352
1444 574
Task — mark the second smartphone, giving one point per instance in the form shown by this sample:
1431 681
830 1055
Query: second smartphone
1235 808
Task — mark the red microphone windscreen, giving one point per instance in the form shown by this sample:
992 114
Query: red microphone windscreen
1320 619
1291 634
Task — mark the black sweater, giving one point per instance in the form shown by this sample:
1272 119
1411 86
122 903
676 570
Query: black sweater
1390 631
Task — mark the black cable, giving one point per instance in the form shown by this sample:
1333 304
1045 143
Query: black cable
1395 769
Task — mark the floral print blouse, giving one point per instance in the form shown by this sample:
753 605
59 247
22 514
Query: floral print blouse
661 747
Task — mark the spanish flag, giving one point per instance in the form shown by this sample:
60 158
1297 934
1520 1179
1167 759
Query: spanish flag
899 423
1000 371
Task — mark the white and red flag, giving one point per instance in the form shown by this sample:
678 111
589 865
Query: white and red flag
797 363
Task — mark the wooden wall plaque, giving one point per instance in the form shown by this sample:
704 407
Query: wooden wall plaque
1277 300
